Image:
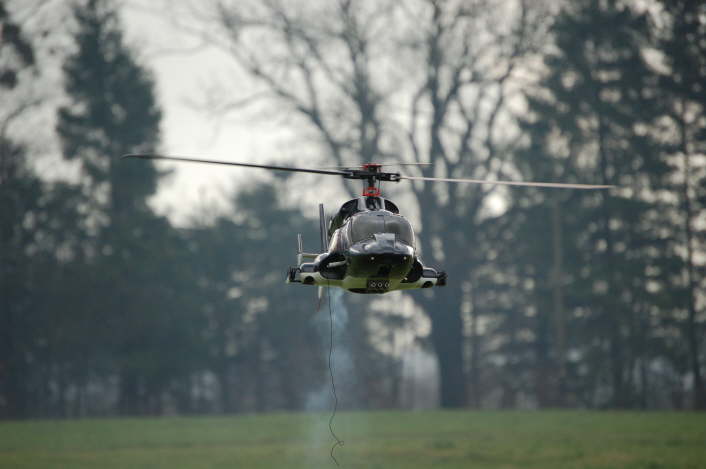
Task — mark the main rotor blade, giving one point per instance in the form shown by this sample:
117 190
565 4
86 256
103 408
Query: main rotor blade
150 156
510 183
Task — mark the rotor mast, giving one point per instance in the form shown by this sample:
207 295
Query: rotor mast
372 190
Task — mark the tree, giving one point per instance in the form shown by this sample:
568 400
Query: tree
20 192
113 96
262 343
590 121
19 195
111 111
40 240
684 47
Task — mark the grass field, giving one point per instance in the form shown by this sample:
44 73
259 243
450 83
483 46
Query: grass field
527 440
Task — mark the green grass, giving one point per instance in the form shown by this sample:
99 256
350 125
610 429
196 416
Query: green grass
527 440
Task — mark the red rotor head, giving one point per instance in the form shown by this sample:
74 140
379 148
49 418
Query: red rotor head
372 191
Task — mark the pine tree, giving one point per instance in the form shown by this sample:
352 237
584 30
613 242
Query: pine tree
20 192
40 240
589 123
684 48
19 195
112 110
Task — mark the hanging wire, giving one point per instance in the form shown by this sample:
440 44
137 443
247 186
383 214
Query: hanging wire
338 442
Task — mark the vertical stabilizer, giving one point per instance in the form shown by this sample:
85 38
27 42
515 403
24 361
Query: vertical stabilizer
322 228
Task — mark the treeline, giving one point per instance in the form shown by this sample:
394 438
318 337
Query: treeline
567 299
611 282
106 307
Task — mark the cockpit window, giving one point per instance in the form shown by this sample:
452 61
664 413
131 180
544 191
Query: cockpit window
364 226
401 228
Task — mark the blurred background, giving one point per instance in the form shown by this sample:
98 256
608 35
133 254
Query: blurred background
129 288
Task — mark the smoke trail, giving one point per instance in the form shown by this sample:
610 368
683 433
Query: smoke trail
330 323
338 442
321 399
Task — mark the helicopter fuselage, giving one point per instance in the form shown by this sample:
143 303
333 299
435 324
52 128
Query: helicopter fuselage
371 250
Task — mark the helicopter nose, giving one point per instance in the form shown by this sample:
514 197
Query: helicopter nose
381 260
380 264
388 258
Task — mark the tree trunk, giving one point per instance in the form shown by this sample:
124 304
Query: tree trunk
544 367
129 393
612 311
11 369
644 359
260 371
691 325
447 337
558 305
474 370
224 385
291 395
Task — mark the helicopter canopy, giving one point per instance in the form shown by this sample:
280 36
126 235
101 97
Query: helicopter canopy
364 225
357 205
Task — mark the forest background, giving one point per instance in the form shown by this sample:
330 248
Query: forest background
556 299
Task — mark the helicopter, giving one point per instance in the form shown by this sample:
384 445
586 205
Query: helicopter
367 246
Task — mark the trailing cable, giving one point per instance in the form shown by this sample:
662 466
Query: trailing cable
338 441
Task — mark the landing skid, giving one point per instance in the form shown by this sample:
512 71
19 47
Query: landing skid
306 275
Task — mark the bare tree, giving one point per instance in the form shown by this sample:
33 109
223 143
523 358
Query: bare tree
424 81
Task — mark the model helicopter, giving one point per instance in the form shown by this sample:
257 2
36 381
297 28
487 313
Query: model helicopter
367 247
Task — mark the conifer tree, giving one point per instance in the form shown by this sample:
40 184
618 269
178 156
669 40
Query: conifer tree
112 110
684 48
597 252
39 239
20 192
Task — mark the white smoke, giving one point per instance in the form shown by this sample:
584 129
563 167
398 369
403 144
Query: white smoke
321 399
